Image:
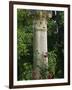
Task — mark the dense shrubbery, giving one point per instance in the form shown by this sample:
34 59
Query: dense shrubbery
25 46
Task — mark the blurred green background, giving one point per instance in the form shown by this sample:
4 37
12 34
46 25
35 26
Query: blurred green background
55 36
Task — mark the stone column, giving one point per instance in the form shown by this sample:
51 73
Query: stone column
40 52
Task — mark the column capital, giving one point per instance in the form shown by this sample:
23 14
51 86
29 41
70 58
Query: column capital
40 14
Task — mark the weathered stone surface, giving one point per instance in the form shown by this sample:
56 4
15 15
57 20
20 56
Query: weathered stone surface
40 57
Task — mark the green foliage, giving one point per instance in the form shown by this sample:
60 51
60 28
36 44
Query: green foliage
24 45
55 41
60 18
51 26
56 44
52 56
26 72
43 71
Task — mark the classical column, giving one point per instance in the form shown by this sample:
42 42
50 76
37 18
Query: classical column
40 52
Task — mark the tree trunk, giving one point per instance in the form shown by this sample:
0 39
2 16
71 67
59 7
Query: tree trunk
40 55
